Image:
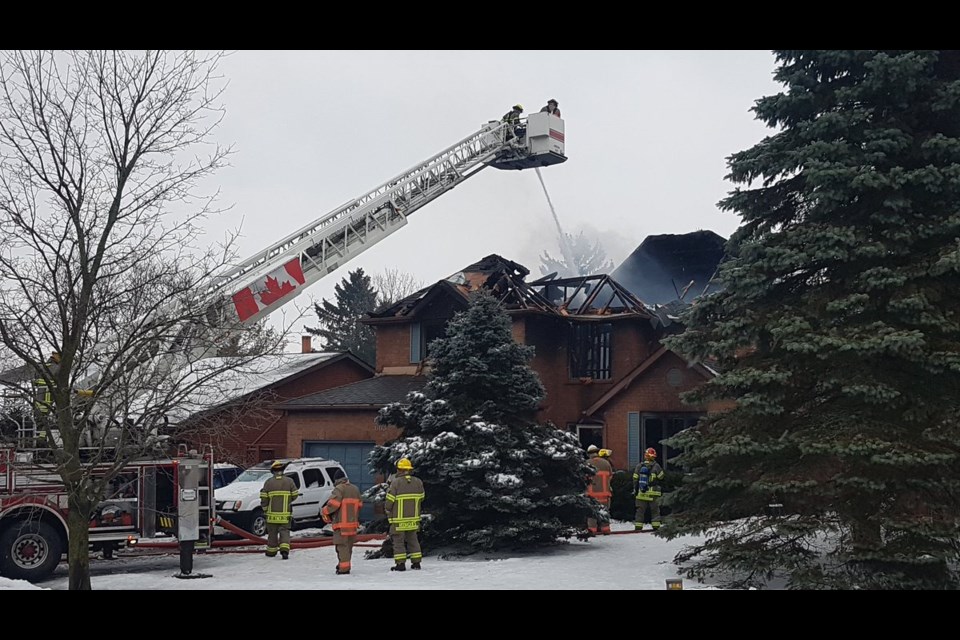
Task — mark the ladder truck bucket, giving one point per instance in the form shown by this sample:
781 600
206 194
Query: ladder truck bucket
541 145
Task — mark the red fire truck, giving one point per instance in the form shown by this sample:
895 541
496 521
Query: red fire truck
143 502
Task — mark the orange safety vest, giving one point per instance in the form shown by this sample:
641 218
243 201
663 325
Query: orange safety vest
344 512
600 486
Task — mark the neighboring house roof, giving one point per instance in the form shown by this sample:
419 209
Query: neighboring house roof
255 375
368 394
17 375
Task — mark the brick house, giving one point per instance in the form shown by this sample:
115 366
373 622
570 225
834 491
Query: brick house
597 350
247 425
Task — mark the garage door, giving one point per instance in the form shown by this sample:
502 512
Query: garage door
353 457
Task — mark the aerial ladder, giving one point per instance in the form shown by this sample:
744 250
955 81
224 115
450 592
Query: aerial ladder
274 276
252 289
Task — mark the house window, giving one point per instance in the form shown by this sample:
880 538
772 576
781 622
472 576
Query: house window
588 434
589 349
422 334
650 429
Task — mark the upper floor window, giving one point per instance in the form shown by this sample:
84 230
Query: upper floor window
422 334
589 349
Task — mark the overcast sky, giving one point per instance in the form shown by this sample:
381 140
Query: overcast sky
647 134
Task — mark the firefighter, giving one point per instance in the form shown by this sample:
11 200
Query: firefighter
512 117
599 488
551 108
275 498
43 401
646 480
343 510
403 512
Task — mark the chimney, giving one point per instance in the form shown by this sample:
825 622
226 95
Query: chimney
305 346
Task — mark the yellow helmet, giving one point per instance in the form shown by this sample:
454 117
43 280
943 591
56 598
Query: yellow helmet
404 464
519 107
276 466
605 453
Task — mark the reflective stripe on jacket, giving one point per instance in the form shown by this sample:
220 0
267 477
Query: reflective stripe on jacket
600 485
646 481
275 498
343 508
403 503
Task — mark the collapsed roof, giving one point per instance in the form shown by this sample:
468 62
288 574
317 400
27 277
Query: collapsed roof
584 296
672 267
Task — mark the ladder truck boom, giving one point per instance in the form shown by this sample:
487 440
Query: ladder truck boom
277 274
269 279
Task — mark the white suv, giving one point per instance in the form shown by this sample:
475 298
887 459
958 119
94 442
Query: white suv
239 501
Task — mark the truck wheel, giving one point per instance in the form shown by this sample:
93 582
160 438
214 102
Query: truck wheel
258 523
29 550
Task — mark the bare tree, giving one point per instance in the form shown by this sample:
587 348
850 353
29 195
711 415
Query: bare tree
393 285
104 296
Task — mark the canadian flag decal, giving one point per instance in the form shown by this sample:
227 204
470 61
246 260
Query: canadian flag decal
275 285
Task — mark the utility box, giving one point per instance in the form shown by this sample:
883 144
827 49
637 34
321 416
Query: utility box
188 499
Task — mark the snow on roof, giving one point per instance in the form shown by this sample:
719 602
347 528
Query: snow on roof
252 375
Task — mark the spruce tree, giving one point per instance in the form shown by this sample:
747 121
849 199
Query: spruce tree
837 333
340 328
494 478
588 257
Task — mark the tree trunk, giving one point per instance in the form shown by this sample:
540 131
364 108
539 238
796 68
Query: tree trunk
78 558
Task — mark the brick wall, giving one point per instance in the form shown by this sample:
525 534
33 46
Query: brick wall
393 345
651 392
335 425
567 398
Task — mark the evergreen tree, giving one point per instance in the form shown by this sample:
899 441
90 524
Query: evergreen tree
589 259
340 328
493 477
837 334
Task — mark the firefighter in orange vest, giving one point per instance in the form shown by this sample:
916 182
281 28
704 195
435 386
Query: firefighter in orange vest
343 510
599 488
275 498
403 512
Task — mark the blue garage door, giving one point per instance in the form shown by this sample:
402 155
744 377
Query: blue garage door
353 457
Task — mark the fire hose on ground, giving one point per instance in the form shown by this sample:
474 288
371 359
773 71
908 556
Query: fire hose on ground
251 539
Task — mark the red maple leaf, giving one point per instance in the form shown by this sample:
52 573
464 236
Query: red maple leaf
274 290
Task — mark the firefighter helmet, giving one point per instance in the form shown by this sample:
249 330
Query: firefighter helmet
650 453
605 453
592 449
518 107
555 103
276 466
404 464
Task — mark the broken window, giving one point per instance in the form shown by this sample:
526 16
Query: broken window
589 350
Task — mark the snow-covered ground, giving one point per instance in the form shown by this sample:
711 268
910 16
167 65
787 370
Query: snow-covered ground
633 561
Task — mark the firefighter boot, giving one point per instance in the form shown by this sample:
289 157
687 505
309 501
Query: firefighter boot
415 566
400 566
285 555
342 572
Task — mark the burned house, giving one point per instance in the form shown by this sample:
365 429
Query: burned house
671 267
597 346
